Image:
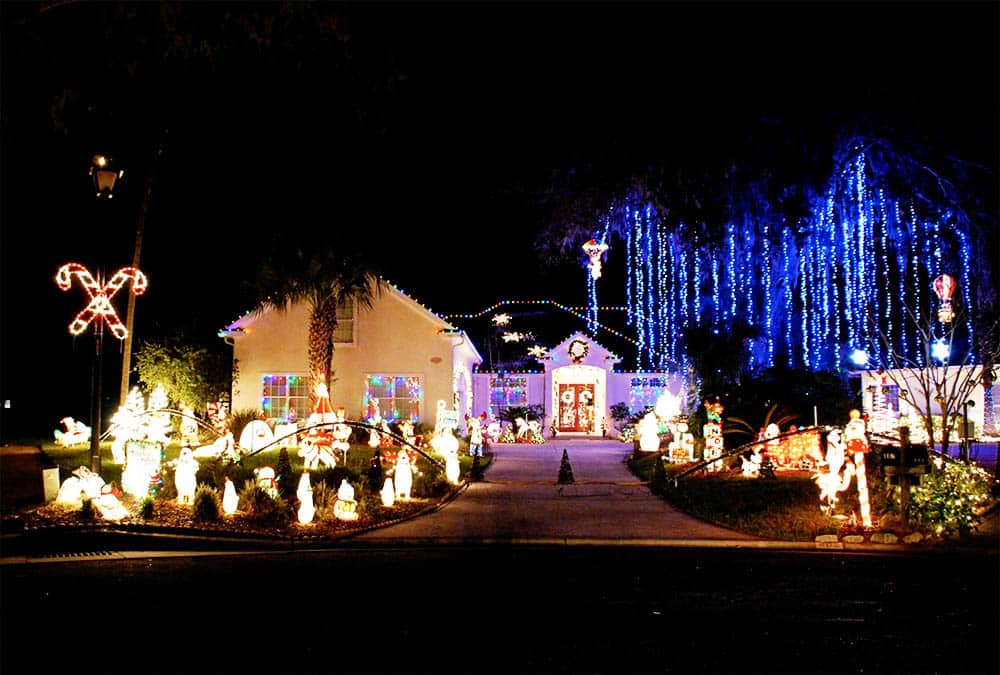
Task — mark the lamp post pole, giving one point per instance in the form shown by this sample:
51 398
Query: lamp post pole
95 394
965 423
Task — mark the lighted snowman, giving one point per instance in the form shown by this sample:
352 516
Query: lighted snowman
230 501
185 474
446 445
403 474
345 508
305 495
648 430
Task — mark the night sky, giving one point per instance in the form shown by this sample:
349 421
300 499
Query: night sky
431 138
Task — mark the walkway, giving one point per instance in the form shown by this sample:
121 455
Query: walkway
519 501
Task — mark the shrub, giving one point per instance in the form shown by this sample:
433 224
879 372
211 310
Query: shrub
324 495
146 508
949 500
87 511
207 504
287 483
263 508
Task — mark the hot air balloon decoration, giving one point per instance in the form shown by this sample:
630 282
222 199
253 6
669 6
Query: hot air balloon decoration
945 286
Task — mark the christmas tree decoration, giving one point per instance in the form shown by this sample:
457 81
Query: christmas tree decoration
127 424
345 507
305 495
230 500
565 470
157 425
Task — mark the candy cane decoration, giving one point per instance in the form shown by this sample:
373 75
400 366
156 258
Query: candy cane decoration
100 306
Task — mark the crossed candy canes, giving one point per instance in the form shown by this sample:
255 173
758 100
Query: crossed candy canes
100 306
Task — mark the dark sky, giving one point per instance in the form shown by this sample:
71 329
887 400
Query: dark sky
473 103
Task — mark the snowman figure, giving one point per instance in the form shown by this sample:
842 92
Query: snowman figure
345 508
229 499
388 492
305 495
403 474
185 476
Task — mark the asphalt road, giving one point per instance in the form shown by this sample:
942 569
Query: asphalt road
516 575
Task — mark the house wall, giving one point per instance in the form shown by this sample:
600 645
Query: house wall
395 336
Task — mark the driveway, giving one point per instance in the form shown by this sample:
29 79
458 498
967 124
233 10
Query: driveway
520 501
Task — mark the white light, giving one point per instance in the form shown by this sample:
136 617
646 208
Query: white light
940 350
859 357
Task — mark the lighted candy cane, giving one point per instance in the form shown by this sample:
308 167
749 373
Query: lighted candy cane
100 306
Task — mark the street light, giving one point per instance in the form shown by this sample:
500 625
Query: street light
105 175
99 310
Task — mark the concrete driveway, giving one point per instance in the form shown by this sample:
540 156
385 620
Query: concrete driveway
520 501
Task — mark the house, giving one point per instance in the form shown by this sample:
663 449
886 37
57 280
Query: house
576 387
396 359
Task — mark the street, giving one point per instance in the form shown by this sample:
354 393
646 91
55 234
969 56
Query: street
368 608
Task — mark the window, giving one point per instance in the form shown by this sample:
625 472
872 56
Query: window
393 397
506 392
645 392
344 332
285 398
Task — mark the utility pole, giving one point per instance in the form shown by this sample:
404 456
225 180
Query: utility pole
130 312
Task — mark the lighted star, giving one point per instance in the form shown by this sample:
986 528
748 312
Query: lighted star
501 319
538 351
516 337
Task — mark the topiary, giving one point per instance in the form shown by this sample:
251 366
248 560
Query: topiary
207 504
283 472
565 470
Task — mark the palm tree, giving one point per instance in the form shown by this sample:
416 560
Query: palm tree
325 277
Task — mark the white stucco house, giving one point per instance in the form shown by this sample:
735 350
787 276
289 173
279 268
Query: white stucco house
397 355
400 359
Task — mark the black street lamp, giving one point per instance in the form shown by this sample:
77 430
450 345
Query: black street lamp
99 310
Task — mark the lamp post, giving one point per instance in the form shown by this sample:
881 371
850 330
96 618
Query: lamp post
99 310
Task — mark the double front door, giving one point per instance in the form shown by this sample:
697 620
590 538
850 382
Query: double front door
576 407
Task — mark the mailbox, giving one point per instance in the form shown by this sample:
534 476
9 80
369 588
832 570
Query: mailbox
912 462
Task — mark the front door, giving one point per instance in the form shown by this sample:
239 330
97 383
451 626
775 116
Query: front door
576 407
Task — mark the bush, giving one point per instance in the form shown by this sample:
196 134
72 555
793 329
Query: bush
263 508
949 500
146 508
207 504
87 510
